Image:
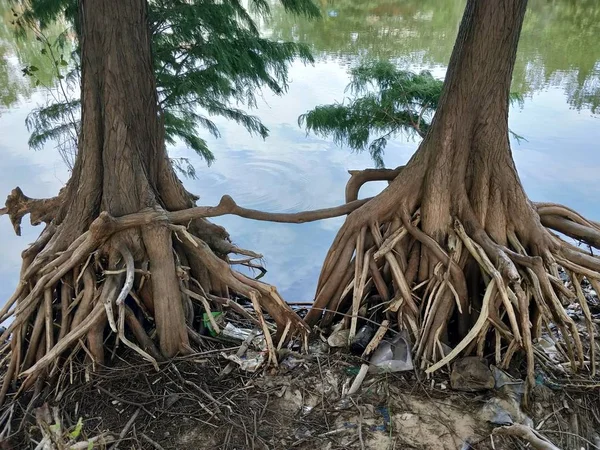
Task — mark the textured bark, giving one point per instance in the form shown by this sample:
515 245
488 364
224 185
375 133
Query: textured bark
467 258
107 261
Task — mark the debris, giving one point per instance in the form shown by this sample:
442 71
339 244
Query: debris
471 374
207 321
306 409
362 338
338 338
241 334
290 362
376 339
547 345
318 347
251 362
508 385
495 414
240 352
504 411
392 356
536 440
359 379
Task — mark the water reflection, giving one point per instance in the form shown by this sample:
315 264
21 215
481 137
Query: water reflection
290 171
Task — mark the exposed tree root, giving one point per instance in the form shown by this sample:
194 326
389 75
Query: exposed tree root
147 295
470 288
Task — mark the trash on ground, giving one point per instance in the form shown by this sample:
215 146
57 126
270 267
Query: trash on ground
217 316
241 334
471 374
547 345
250 362
392 356
359 379
508 385
362 338
291 362
338 338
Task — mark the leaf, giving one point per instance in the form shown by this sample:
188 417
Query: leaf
90 445
77 431
44 51
33 69
55 428
63 62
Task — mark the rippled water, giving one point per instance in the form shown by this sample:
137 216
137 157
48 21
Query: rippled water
558 70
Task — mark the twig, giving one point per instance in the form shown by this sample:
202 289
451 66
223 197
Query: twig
155 444
536 440
127 427
359 379
360 420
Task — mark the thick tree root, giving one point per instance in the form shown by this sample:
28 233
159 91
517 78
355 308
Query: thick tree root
147 295
466 293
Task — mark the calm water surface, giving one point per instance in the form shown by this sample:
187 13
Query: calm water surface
558 71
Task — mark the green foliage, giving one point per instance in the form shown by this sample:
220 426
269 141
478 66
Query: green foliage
387 102
209 60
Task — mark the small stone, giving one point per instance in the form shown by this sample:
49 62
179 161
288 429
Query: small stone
471 374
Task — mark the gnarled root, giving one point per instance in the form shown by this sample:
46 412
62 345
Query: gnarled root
140 280
461 291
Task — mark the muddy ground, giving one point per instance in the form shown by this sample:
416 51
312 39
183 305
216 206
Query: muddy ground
186 405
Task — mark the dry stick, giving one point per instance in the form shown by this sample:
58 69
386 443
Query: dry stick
49 321
378 280
399 279
206 306
240 352
441 255
140 334
568 264
362 373
473 332
65 300
11 301
536 440
588 320
265 328
126 428
154 444
546 287
377 338
360 278
284 334
130 269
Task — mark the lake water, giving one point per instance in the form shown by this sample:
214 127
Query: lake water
558 70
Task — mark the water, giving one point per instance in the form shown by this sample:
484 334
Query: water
558 70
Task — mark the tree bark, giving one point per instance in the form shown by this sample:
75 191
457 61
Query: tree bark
455 212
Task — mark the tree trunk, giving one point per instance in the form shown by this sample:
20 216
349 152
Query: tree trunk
454 232
112 252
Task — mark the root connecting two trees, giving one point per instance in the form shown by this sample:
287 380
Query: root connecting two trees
454 250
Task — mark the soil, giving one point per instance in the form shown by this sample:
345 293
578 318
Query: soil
186 405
